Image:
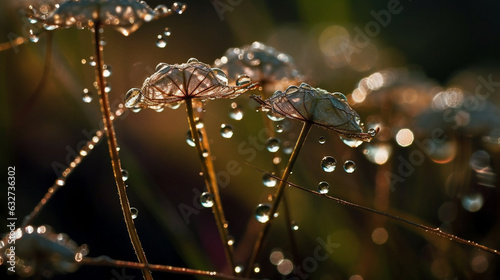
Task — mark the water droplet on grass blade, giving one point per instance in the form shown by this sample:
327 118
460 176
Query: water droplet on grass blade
243 80
124 175
349 166
207 199
262 213
134 212
323 187
322 140
294 225
226 130
275 116
353 143
328 163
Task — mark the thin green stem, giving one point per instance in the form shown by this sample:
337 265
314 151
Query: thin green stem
278 195
211 183
113 152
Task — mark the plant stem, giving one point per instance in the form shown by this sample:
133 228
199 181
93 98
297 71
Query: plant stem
113 152
107 261
435 231
211 183
277 196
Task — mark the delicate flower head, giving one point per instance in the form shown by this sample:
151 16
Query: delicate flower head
173 83
125 15
39 250
315 105
263 64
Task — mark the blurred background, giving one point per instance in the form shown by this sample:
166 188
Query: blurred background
426 73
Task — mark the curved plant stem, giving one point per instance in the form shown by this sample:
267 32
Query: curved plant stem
107 261
211 183
113 152
278 195
435 231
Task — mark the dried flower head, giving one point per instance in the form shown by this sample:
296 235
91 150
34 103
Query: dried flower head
171 84
125 15
265 65
39 250
317 106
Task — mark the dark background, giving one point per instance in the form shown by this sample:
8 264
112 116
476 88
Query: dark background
442 39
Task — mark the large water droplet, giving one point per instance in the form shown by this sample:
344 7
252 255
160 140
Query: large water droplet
106 70
221 76
236 112
353 143
193 60
322 140
161 41
349 166
269 181
275 116
124 175
179 7
262 213
323 187
134 212
226 130
328 163
273 145
340 96
86 97
207 200
243 80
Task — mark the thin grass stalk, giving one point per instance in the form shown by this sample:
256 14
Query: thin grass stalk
435 231
113 152
211 183
107 261
278 195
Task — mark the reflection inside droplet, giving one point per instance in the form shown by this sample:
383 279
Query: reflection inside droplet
328 163
262 213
